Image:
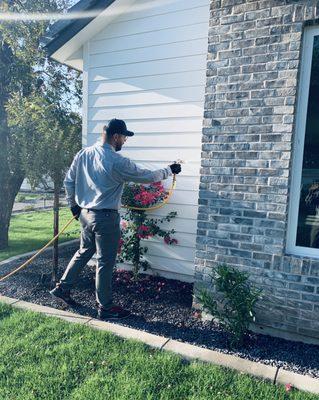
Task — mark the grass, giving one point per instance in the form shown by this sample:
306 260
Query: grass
46 358
22 196
31 231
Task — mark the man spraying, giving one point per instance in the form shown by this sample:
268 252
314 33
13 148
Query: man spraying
94 186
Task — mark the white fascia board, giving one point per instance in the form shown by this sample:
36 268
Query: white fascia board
64 54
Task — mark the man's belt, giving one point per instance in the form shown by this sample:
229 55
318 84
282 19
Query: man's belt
102 210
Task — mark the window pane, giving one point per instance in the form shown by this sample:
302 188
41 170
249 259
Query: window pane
308 216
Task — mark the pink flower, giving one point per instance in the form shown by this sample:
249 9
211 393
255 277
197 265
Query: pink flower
143 232
121 242
168 240
145 198
123 224
157 184
288 387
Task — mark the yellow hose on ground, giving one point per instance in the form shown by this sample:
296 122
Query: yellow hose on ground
26 263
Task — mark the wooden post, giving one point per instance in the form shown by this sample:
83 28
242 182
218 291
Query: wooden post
55 232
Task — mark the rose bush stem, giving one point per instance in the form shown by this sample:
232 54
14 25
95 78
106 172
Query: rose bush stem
139 219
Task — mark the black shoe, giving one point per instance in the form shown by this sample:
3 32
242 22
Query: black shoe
115 312
62 294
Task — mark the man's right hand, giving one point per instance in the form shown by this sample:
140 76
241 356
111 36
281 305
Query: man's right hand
175 168
76 211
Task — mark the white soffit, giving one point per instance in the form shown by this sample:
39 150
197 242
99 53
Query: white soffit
76 60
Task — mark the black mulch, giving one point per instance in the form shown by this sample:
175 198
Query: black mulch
160 306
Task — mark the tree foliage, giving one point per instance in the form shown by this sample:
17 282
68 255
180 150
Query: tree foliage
50 137
37 96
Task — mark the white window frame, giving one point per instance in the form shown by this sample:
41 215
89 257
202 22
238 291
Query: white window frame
301 117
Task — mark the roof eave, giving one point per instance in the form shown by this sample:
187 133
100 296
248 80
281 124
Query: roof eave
62 31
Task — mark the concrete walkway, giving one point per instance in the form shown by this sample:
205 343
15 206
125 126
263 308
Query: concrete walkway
274 374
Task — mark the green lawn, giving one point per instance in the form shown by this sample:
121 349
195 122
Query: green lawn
46 358
24 196
30 231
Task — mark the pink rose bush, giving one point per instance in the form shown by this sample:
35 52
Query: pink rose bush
145 196
136 225
144 232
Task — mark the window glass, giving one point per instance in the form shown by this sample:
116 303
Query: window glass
308 215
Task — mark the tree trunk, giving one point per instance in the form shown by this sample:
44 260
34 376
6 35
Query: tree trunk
11 176
6 205
55 232
7 196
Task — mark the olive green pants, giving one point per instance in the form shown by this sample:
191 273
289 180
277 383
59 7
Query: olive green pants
100 234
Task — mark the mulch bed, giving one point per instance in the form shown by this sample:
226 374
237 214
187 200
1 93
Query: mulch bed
160 306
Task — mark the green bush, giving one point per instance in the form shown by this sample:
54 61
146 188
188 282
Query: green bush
233 303
29 208
45 197
20 198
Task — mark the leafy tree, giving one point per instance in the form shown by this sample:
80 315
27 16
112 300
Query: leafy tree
56 137
28 77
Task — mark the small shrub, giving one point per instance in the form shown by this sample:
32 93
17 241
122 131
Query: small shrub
20 198
28 208
45 196
233 303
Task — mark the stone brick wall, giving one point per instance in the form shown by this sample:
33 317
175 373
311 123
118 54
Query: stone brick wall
252 80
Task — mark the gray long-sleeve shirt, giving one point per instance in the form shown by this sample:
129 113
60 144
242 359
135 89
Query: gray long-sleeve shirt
97 175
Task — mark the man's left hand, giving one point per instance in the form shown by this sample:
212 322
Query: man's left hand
76 211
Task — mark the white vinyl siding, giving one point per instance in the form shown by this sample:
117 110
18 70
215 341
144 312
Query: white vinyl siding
148 67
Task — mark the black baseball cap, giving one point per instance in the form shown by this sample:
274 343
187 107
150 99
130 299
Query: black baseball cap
117 126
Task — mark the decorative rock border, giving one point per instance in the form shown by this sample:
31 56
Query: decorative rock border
188 351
